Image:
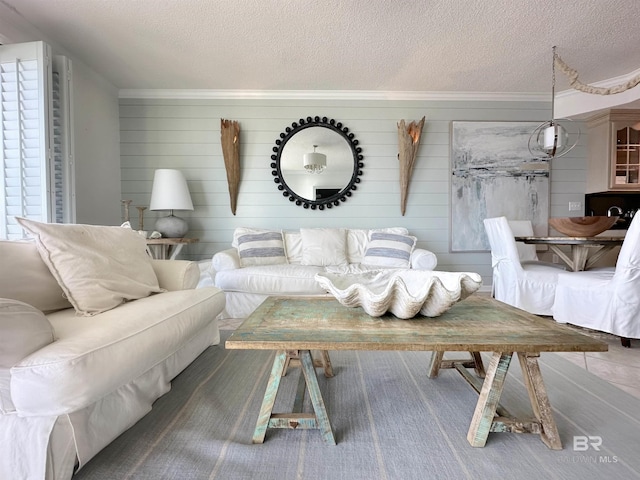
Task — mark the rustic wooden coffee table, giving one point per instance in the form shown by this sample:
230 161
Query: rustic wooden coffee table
295 326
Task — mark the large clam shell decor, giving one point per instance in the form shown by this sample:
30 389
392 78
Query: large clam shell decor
404 293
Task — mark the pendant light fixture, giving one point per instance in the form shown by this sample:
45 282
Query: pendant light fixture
550 139
315 162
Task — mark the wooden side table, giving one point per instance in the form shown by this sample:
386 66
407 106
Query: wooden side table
168 248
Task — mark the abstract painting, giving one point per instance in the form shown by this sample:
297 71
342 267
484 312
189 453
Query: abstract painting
494 174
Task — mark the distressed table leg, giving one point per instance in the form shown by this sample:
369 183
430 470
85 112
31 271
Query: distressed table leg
434 364
539 399
270 396
301 390
478 364
297 419
597 255
326 362
437 362
316 397
287 362
565 258
489 399
293 360
580 254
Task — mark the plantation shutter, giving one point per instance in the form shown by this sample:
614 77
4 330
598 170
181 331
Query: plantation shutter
63 174
35 177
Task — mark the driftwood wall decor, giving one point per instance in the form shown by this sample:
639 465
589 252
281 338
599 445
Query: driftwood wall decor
408 142
230 140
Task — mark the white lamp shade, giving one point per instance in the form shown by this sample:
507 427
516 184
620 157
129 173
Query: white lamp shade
555 138
170 191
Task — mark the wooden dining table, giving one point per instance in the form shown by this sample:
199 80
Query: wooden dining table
585 251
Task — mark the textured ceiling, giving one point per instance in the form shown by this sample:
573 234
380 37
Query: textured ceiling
367 45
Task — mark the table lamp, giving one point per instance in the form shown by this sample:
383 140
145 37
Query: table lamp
170 192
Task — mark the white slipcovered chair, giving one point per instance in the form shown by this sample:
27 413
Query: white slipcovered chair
524 228
605 299
529 286
527 252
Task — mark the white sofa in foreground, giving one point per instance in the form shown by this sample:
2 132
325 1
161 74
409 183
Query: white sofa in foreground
71 378
272 262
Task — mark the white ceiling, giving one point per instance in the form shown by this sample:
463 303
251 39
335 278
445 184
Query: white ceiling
365 45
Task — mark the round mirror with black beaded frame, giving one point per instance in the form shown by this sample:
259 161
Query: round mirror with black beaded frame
340 177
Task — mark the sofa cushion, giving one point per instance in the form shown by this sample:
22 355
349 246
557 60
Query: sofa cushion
263 248
358 238
293 246
93 357
324 246
389 250
286 279
24 329
30 280
98 267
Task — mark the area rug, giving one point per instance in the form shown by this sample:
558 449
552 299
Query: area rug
389 419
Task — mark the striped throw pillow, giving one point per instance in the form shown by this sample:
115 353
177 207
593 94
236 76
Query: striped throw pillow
389 250
261 248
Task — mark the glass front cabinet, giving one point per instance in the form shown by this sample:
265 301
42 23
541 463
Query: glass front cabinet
614 152
627 154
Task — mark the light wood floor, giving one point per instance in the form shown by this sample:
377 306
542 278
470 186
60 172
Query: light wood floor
619 366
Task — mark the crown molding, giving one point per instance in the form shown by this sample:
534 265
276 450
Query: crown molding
330 95
574 103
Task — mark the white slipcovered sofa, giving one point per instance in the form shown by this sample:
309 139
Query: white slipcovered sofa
272 262
74 376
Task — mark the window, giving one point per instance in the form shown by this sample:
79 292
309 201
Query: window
36 174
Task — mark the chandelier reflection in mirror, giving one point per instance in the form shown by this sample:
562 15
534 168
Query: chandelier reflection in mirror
340 163
314 162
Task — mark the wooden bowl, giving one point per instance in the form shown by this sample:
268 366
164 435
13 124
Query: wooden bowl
582 226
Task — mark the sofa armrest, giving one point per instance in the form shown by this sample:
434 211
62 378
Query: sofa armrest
176 274
23 330
207 275
225 260
422 259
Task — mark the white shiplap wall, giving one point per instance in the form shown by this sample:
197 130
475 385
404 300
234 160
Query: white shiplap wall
185 134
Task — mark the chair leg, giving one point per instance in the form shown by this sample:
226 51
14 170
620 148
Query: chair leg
626 342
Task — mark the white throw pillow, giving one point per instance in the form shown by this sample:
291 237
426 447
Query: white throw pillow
293 246
324 246
97 267
30 280
389 250
263 248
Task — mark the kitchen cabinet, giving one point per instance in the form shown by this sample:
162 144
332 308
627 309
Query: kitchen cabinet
614 152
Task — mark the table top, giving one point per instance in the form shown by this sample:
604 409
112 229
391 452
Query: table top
171 241
571 240
476 324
